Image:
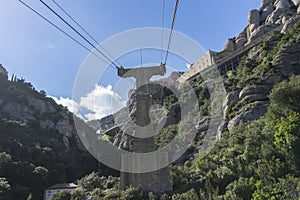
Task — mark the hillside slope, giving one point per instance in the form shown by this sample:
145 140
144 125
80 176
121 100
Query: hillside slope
257 156
39 145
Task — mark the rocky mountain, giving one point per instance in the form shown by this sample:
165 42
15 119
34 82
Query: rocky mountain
276 57
268 45
272 14
257 152
257 155
39 146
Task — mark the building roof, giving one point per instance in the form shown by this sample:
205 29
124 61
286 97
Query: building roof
63 186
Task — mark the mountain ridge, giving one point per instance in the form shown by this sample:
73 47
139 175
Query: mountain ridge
37 134
256 157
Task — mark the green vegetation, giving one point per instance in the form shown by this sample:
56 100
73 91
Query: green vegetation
63 195
258 160
39 160
92 181
32 158
4 188
251 71
202 108
165 136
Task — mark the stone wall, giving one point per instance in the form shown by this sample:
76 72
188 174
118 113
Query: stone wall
204 62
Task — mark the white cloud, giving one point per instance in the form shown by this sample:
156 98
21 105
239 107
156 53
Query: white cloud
72 105
100 102
188 65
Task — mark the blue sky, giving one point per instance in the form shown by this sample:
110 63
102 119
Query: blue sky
32 49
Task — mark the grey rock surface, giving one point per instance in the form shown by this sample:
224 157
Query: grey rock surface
254 89
254 17
47 124
64 127
296 2
232 97
261 31
265 3
18 111
3 72
289 24
37 104
230 45
255 97
288 60
266 12
271 79
282 4
252 112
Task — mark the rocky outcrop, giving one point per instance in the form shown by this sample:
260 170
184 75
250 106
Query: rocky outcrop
18 111
255 97
102 124
253 100
296 2
258 32
254 17
282 4
231 98
28 108
3 72
289 24
254 21
19 101
47 124
271 79
251 112
272 14
230 45
36 132
265 3
288 60
37 104
126 117
203 124
279 15
254 90
64 127
241 39
267 11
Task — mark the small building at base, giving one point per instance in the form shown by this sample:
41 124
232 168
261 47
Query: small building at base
50 191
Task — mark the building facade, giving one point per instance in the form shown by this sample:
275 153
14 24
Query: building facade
50 191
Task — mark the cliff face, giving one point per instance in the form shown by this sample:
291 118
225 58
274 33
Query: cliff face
19 101
277 58
3 72
279 15
257 156
272 14
37 134
273 59
263 54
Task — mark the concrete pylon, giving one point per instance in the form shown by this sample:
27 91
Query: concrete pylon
156 181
